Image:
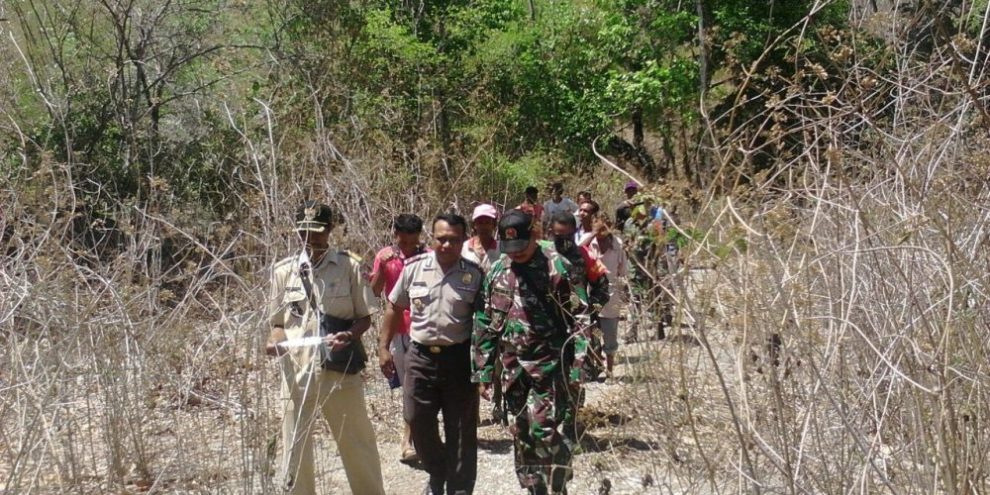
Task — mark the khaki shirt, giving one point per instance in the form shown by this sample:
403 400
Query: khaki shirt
339 288
441 306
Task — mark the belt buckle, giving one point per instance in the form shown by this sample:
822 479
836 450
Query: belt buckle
435 349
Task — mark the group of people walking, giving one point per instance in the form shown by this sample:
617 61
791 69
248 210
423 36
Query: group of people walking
515 313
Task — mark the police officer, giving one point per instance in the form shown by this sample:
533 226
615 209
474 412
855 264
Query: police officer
321 287
528 296
441 290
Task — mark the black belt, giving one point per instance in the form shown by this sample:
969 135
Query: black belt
439 349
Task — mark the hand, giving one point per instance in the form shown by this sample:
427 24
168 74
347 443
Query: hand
271 347
338 341
485 391
386 362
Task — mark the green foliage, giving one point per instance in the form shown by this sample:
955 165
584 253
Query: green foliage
487 84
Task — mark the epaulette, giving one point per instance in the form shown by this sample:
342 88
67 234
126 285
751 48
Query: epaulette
416 259
350 254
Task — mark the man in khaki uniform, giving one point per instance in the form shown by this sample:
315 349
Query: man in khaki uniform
441 290
338 293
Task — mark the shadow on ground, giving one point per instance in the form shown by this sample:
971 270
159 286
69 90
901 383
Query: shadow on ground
592 444
496 446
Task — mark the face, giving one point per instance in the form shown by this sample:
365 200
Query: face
484 227
585 212
524 255
531 196
557 192
447 241
406 240
583 197
315 241
631 192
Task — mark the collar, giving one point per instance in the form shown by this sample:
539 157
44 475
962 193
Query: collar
330 256
420 249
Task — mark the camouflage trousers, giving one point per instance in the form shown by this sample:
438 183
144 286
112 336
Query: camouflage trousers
651 297
542 409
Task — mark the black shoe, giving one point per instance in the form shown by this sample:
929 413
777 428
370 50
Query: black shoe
433 488
538 490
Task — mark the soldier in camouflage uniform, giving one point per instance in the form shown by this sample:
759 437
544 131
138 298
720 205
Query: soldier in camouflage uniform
654 262
591 278
530 297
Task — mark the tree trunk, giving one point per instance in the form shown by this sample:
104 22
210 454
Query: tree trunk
637 118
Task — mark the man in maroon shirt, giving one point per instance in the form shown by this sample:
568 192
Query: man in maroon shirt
389 262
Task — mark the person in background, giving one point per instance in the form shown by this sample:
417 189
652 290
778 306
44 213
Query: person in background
407 230
558 203
442 288
646 245
583 196
624 210
608 249
482 247
318 288
586 211
531 204
592 281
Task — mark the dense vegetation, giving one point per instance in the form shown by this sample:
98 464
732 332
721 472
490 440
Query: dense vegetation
137 96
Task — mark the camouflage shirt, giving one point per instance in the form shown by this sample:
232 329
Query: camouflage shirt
526 320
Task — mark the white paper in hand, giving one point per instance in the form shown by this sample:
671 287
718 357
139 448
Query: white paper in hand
301 342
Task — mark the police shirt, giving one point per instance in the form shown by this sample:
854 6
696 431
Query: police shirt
441 306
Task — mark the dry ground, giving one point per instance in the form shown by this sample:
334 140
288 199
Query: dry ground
215 429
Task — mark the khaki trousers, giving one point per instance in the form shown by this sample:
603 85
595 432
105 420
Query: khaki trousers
340 399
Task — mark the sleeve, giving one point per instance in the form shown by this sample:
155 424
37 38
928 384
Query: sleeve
400 293
579 369
377 265
362 298
597 277
276 310
484 338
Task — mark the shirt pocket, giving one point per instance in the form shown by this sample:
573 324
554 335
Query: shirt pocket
419 300
461 303
294 306
464 295
337 300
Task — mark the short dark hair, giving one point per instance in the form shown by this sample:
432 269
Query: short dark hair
557 186
593 204
407 223
586 194
564 218
453 220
